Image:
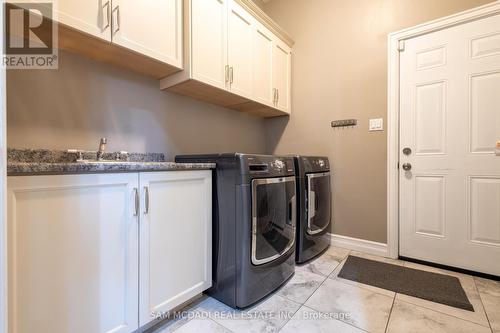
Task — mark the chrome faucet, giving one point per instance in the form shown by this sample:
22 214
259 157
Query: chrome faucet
102 148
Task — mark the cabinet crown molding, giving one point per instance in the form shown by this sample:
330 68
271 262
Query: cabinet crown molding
268 22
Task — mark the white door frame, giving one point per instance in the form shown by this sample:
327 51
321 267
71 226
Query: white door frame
394 42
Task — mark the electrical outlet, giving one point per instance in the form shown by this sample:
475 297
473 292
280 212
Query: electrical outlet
376 124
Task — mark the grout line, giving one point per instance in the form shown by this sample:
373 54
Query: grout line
344 322
315 290
390 313
300 305
481 299
328 277
443 313
303 303
290 318
175 329
218 324
428 307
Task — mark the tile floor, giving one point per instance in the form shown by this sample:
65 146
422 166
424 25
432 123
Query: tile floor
315 299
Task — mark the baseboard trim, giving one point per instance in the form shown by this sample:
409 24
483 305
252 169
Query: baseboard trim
361 245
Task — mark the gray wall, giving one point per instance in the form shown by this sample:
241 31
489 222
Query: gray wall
340 71
84 100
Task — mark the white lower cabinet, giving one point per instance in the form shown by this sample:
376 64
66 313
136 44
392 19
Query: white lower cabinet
176 240
73 253
74 261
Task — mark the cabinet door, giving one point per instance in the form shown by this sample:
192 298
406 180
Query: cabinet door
240 50
282 73
209 41
73 254
263 65
92 17
150 27
175 241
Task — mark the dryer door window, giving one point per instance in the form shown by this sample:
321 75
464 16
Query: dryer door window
273 218
318 202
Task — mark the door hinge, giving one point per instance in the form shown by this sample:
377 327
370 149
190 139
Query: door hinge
401 46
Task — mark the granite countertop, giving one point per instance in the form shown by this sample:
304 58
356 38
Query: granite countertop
24 162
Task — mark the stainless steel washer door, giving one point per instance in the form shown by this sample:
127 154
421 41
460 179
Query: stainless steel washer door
273 218
318 202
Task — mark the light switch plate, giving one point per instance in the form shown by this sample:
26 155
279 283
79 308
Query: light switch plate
376 124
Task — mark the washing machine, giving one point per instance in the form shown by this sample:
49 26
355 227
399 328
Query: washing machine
313 206
254 225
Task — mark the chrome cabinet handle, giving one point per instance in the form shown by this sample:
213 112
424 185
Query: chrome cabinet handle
108 7
231 75
277 96
407 167
136 203
226 74
274 96
146 200
117 10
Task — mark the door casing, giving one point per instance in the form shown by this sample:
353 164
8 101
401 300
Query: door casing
395 43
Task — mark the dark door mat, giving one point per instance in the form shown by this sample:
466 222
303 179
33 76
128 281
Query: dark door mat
430 286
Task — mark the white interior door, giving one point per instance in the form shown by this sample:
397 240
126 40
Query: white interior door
176 239
240 50
149 27
450 119
73 254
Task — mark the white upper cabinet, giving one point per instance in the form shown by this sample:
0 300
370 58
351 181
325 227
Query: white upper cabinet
145 36
176 239
281 76
92 17
208 27
150 27
241 27
233 53
263 65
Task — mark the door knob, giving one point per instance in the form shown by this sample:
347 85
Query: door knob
407 167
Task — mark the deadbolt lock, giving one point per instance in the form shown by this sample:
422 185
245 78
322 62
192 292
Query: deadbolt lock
407 151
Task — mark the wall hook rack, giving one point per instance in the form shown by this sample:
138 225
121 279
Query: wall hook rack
344 123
